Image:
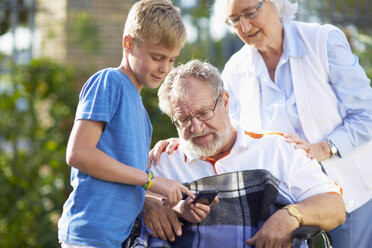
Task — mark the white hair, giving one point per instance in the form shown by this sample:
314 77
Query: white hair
174 87
286 9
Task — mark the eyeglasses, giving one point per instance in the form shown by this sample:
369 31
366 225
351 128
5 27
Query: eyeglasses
204 115
248 15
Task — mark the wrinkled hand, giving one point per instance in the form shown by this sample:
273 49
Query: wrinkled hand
299 143
319 151
168 145
171 189
162 220
197 212
277 231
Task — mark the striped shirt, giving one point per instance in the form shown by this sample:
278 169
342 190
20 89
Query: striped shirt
348 79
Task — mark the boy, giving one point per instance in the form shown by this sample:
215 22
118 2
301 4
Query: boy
109 143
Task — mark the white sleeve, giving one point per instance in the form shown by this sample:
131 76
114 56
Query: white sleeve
306 177
172 166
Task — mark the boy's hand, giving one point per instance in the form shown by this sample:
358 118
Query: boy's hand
197 212
171 189
168 145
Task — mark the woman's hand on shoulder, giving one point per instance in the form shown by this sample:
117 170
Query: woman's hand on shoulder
320 151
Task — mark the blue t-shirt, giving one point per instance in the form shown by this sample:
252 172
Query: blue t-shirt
100 213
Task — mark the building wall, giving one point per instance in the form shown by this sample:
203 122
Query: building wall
55 20
50 21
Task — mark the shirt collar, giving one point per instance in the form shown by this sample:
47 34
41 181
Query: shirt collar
188 155
240 142
252 61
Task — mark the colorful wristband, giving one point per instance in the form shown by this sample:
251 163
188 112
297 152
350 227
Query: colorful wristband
149 184
150 177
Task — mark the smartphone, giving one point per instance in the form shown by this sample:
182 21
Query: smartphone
205 197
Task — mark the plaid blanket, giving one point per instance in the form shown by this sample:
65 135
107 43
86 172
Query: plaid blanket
247 200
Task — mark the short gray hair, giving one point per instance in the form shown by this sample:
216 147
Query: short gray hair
286 9
174 87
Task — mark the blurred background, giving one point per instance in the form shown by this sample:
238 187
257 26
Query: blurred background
49 48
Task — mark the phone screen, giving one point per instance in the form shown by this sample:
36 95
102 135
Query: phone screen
205 196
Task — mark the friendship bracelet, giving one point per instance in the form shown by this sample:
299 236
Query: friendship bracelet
150 177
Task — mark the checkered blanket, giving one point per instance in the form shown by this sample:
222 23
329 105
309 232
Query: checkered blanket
247 200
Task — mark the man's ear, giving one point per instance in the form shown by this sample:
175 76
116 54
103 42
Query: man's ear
225 98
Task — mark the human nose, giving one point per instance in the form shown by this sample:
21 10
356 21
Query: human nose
196 125
244 24
165 67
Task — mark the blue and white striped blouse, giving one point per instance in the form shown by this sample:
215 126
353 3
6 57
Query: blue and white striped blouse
349 81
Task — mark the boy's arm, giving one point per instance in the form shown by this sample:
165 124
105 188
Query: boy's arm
82 153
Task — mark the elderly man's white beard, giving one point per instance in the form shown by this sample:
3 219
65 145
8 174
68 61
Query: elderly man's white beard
207 150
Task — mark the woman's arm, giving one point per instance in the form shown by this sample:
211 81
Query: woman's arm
354 93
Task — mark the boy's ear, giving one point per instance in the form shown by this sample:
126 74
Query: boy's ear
127 43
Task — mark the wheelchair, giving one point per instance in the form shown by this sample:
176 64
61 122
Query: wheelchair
247 199
313 236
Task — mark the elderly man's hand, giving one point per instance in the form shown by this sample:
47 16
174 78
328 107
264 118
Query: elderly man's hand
161 219
197 212
277 231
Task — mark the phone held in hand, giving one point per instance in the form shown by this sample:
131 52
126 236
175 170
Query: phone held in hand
205 197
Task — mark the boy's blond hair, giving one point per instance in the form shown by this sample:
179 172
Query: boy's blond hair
156 21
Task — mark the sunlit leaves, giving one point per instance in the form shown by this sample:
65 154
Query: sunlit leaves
37 110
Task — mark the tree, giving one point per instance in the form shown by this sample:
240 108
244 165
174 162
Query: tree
37 109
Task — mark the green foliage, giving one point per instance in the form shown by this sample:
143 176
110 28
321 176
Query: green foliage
37 109
85 33
162 125
365 56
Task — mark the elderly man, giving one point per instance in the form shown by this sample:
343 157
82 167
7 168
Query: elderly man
267 188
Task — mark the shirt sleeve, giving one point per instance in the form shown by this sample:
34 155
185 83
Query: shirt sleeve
306 177
98 98
354 93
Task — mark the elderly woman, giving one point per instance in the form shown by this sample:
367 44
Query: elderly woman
303 79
